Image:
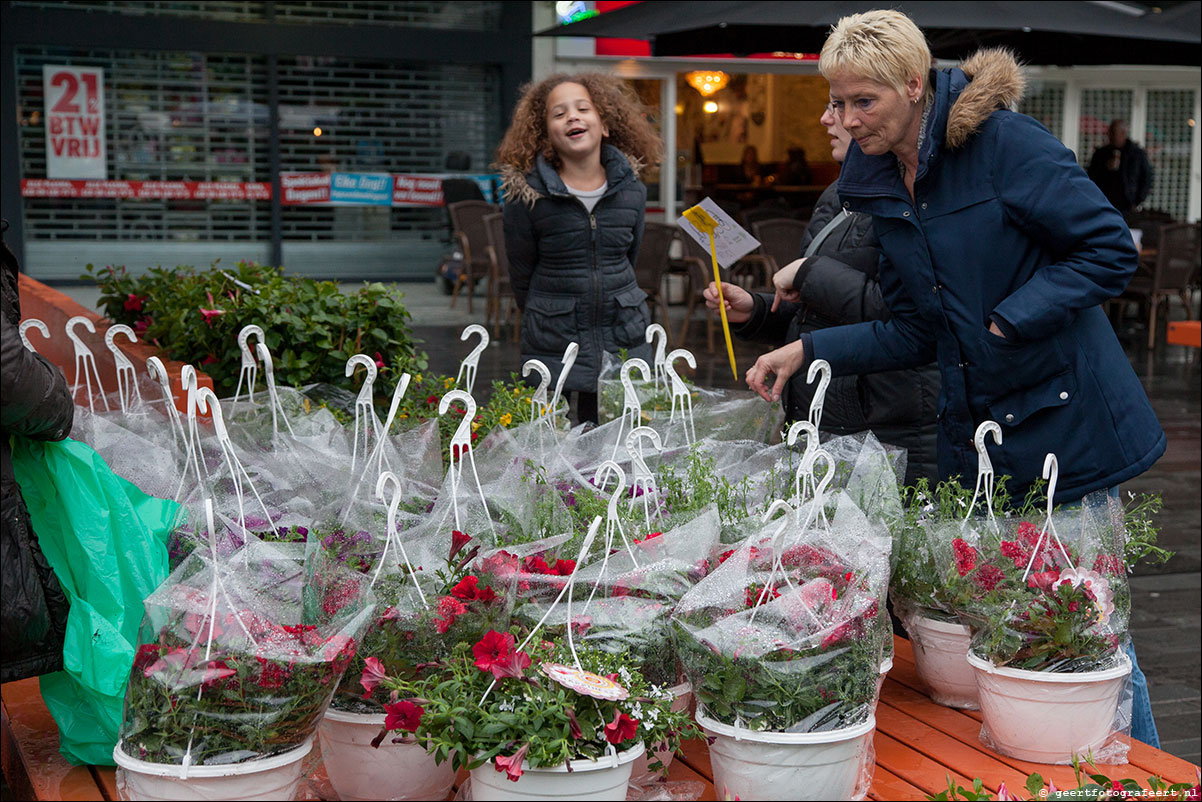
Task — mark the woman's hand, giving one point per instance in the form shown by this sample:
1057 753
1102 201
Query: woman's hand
782 364
782 282
993 329
739 303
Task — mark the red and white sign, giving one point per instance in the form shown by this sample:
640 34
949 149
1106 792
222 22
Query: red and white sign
147 190
301 188
74 121
416 190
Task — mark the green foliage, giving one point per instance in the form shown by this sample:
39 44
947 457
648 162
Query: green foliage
1090 785
468 719
310 326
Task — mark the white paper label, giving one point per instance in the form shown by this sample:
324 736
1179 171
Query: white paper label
731 239
74 121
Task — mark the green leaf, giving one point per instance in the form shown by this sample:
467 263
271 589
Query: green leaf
1034 784
735 688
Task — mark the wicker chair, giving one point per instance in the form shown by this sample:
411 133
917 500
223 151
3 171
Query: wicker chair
467 220
500 291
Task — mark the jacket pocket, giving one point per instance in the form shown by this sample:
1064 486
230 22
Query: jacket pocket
630 317
1006 367
1014 408
549 323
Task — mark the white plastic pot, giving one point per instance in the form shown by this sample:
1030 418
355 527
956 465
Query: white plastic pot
603 779
1047 717
357 770
641 773
939 650
778 765
270 778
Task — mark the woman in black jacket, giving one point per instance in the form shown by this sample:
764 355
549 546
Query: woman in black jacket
574 221
835 283
35 403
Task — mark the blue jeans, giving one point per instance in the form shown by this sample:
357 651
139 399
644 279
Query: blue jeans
1143 725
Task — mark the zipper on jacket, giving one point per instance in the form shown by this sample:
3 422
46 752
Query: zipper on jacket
597 300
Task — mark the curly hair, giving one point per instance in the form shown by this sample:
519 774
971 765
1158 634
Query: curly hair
623 114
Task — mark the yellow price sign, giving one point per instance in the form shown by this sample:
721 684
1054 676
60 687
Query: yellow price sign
705 223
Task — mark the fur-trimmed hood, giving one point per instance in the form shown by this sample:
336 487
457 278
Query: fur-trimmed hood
996 82
542 180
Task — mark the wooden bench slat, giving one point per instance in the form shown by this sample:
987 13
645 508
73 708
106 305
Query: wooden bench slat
886 786
32 762
917 769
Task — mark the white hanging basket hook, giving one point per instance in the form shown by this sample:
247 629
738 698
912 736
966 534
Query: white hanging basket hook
32 323
817 367
249 370
85 363
467 368
985 476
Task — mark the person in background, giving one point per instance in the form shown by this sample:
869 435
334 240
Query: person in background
797 170
750 169
997 252
574 222
35 403
836 282
1121 170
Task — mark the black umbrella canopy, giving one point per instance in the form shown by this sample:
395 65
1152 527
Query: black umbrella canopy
1059 33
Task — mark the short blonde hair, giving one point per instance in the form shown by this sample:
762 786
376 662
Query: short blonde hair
883 45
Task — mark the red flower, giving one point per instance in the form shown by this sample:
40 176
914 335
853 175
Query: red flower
512 765
1011 549
142 324
133 303
988 576
431 399
209 314
1108 564
468 589
217 670
514 666
379 360
838 634
535 565
724 556
622 728
458 541
147 654
563 567
501 565
651 536
965 555
373 674
271 674
403 715
493 648
449 608
573 724
1043 580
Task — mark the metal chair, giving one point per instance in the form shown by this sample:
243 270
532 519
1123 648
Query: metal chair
1177 256
652 265
500 291
467 220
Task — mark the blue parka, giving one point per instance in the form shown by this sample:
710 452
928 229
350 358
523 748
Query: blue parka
1004 227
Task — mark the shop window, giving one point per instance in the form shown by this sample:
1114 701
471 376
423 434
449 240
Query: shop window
1167 138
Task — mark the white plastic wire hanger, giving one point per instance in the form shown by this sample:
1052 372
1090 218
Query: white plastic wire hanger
385 480
984 471
643 478
249 370
273 395
569 359
656 334
680 393
461 449
154 366
84 361
632 408
32 323
127 377
801 478
818 366
366 422
1051 472
467 368
208 403
538 400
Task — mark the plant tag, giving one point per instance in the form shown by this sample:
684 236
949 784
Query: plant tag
731 240
584 682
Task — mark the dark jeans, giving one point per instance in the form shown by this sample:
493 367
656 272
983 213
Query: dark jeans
585 405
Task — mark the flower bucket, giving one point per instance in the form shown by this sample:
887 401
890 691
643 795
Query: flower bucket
604 779
776 765
1046 717
641 774
269 778
939 650
357 770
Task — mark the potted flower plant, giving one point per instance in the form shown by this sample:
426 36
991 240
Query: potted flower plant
410 633
1048 635
238 663
785 644
549 722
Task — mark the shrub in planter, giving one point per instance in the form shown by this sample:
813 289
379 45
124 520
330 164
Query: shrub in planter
310 326
240 657
493 707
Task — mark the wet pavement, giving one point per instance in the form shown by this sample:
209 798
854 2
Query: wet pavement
1166 617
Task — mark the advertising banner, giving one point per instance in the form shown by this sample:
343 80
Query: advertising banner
74 121
361 189
147 190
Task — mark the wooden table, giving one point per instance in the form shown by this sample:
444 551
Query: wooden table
919 744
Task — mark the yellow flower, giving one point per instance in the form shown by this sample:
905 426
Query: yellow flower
305 401
448 383
505 419
475 426
418 379
517 391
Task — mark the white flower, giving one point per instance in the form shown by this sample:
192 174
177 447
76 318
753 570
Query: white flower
624 675
506 706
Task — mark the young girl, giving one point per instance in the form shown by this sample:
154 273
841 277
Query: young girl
573 223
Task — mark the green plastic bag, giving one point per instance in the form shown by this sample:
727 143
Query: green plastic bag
107 543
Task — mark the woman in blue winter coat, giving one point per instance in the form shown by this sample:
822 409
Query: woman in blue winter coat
574 222
997 251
